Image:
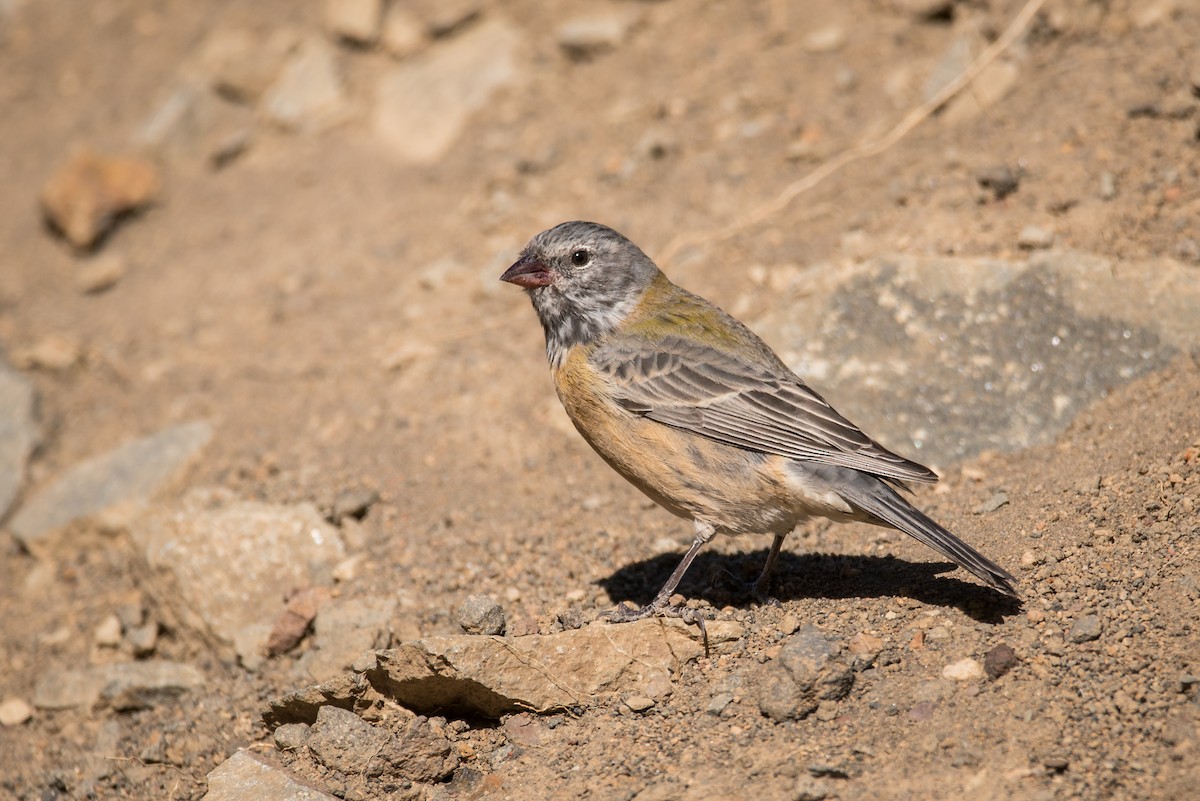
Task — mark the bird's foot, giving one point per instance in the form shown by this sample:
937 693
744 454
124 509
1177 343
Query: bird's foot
658 608
759 591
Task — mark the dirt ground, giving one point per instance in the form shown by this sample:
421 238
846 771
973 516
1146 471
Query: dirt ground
334 312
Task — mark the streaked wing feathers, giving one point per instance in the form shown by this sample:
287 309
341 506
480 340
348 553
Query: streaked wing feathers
691 386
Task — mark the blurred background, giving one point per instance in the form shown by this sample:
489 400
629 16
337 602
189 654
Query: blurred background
249 260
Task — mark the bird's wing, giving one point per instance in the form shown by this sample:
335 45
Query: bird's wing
695 387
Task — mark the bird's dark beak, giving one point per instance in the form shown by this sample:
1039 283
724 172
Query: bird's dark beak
528 272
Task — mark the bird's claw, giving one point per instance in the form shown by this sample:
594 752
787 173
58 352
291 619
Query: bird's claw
628 614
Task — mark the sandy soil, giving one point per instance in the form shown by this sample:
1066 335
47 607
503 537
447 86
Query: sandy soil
335 313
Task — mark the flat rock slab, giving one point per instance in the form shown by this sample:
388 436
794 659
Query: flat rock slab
490 676
123 686
129 474
18 433
423 105
249 777
942 358
225 567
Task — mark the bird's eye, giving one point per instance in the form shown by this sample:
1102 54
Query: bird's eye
580 258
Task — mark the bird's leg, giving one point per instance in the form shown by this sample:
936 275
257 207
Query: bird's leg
760 588
661 603
762 585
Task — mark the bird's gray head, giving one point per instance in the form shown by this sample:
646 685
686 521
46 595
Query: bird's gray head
583 279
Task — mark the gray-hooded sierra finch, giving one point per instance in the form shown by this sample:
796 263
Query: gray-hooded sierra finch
698 413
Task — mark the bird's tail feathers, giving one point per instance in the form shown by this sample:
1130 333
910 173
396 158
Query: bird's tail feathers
883 502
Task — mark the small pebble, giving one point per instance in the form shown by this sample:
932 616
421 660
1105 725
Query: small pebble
1108 186
718 703
587 37
1086 629
353 503
403 34
1033 237
143 639
1056 763
827 711
825 40
1188 249
1000 181
991 504
291 736
356 21
639 703
999 661
100 273
14 712
108 633
480 614
963 670
809 789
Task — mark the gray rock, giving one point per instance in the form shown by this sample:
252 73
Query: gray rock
250 777
422 105
807 672
1086 629
989 87
342 741
143 639
420 752
291 736
309 94
718 703
225 568
140 685
955 58
991 504
480 614
944 358
1001 181
67 689
129 475
123 686
18 433
352 503
343 629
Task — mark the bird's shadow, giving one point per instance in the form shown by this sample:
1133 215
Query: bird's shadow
714 577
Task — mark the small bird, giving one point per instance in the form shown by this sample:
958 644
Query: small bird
697 412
